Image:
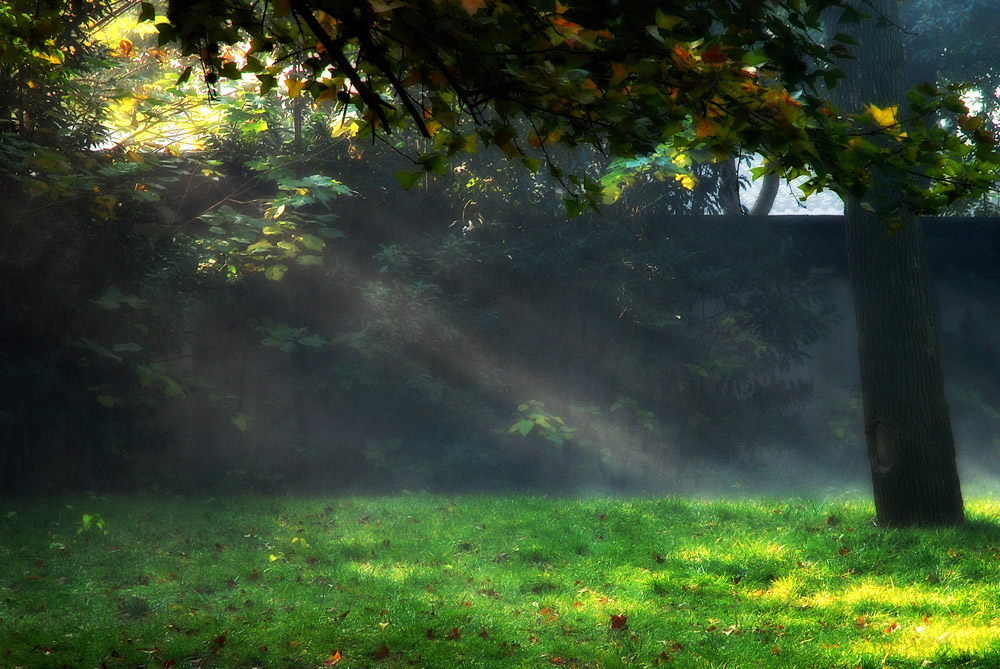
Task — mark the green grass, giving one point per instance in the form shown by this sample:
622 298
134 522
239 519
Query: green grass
428 581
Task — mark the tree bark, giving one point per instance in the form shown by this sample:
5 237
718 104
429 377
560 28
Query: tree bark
729 195
908 428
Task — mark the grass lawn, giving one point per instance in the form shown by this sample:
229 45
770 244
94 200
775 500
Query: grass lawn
428 581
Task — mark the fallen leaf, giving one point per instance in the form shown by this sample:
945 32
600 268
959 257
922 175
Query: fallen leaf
619 622
891 628
455 633
382 652
332 660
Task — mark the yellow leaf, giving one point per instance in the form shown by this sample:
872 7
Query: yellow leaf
687 181
706 128
351 129
53 57
884 117
294 86
273 557
328 95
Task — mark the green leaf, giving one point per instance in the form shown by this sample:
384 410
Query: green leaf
130 347
407 179
147 12
100 350
275 272
434 162
666 21
267 82
241 420
755 58
312 341
524 426
574 207
185 75
312 242
108 400
310 260
850 16
231 70
256 126
111 299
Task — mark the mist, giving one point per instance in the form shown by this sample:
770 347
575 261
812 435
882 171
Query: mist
646 351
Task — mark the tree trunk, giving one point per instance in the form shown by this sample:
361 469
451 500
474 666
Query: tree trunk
908 429
729 191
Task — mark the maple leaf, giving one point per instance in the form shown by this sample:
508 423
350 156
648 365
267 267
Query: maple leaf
714 55
618 73
707 128
970 123
295 86
473 6
885 117
686 181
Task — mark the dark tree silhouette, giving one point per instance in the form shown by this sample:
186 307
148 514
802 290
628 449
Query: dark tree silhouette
908 429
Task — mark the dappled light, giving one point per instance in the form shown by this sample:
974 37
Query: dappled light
467 333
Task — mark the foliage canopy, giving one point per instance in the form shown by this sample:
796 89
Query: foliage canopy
703 78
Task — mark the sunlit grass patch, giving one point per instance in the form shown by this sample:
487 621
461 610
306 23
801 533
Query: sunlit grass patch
429 581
